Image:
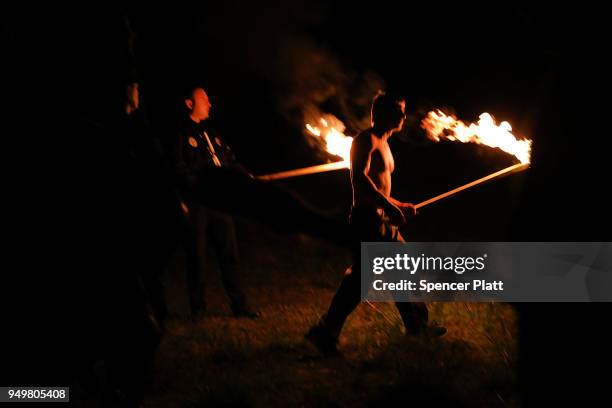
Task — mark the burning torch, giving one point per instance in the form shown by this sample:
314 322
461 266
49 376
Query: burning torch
438 126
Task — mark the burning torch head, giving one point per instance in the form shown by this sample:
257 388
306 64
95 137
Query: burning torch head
198 104
388 112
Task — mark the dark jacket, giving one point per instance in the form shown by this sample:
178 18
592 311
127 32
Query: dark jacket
197 148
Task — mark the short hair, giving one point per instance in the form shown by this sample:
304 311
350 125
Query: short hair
187 90
384 104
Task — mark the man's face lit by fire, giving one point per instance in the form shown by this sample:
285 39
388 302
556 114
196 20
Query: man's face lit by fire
199 105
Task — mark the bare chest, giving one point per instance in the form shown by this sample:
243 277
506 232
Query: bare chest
382 159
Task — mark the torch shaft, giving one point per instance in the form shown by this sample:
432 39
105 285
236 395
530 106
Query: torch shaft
305 170
507 170
321 168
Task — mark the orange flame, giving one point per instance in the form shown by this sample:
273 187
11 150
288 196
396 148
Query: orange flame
331 130
439 126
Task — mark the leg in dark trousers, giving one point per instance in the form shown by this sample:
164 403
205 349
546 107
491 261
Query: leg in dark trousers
195 252
414 314
348 296
367 227
346 299
222 234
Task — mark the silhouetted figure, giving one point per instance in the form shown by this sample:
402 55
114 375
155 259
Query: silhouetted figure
129 228
99 305
197 148
375 216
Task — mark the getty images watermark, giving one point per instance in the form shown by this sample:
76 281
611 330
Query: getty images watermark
487 271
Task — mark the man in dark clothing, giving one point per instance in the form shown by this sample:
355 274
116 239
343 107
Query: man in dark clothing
197 149
375 216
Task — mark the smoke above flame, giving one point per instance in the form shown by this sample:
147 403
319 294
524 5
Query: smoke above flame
329 130
440 126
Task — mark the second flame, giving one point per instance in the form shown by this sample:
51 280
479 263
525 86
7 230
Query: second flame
438 126
331 130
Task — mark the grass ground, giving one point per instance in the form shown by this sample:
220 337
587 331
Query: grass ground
262 363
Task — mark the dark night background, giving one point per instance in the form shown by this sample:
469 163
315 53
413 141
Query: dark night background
545 70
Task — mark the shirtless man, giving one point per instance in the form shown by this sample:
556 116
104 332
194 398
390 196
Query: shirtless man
375 216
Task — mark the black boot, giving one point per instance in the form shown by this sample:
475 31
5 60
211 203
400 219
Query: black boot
323 339
245 311
431 331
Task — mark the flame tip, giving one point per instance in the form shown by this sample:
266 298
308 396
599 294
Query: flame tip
439 125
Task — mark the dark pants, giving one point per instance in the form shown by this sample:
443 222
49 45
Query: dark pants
209 227
368 225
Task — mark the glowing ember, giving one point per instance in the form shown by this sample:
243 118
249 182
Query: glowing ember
331 131
439 126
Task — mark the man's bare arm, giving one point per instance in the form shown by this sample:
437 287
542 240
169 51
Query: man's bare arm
408 209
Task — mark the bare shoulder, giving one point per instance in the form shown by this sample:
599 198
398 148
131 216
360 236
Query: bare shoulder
364 140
